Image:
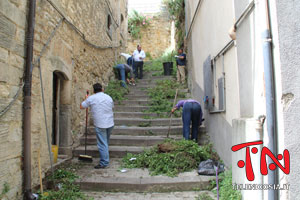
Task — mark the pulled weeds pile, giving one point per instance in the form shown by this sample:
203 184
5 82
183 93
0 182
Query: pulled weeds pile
170 157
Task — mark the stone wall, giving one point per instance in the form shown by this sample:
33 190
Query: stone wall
155 38
77 64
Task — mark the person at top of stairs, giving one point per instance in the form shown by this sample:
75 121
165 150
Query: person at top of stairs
102 110
138 62
191 111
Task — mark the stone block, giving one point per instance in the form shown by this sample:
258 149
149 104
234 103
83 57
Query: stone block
4 92
20 35
12 75
7 42
16 61
7 27
3 55
11 11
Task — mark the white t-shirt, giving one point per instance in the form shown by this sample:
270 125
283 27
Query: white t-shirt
137 55
102 109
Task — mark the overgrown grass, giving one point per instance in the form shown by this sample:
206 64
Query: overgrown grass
116 91
204 196
61 186
170 157
156 65
226 191
162 95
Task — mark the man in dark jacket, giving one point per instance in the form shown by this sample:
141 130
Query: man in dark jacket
181 63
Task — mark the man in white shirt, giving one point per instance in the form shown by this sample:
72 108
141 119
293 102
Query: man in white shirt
102 110
138 58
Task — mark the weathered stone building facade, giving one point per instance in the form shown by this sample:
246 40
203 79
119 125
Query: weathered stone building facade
83 41
155 38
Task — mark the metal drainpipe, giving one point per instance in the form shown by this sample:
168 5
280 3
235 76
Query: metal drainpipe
27 101
270 93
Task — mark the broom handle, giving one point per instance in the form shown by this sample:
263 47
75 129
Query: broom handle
172 113
86 123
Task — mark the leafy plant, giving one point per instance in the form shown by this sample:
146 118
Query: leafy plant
204 196
116 91
5 190
176 10
63 186
135 22
225 187
162 96
145 124
156 65
170 157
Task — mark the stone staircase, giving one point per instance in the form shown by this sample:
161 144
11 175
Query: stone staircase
134 132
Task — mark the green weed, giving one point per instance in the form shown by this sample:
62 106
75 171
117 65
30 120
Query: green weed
225 187
62 186
170 157
145 124
5 190
204 196
162 96
116 91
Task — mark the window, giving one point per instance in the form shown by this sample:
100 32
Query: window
214 84
109 26
108 22
122 25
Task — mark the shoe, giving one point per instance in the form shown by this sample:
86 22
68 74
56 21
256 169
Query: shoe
100 166
133 84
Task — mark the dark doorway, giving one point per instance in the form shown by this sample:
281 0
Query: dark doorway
56 108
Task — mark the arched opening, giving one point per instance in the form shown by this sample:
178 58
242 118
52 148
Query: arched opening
108 22
60 115
122 23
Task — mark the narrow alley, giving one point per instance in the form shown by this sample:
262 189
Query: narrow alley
183 99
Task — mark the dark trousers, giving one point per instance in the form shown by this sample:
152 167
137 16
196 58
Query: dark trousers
138 69
191 112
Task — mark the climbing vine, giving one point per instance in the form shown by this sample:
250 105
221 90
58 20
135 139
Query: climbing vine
176 11
137 21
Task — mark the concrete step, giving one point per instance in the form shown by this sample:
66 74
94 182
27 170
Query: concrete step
114 151
143 91
138 92
148 79
134 102
128 140
124 108
149 195
150 131
143 85
137 97
134 115
140 102
137 180
147 122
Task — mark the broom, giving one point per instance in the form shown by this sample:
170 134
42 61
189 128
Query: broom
85 157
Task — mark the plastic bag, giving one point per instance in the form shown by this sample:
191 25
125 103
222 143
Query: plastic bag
209 167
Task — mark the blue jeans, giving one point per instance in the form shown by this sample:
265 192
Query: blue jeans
121 69
103 135
191 112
